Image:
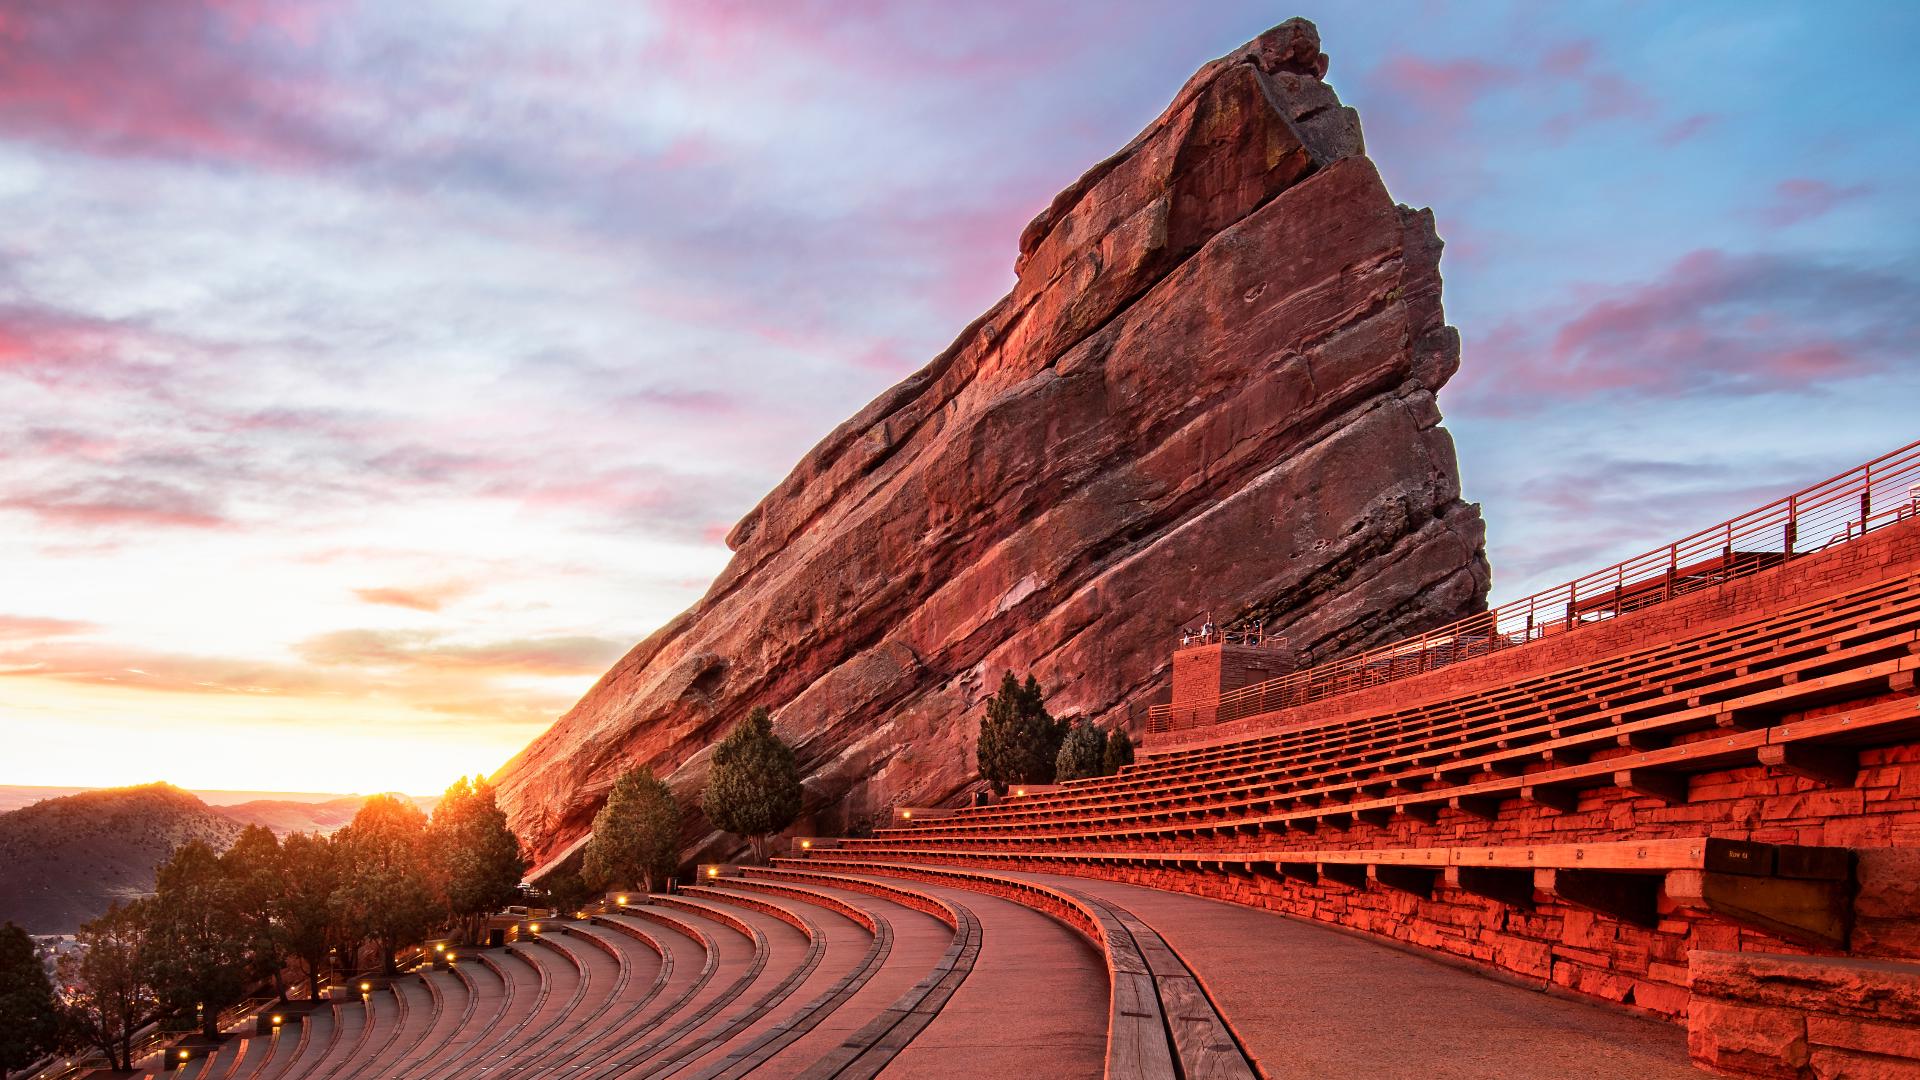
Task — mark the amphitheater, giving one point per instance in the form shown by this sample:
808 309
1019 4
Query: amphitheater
1660 819
1664 816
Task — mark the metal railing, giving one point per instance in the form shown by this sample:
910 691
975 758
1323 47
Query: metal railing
1842 508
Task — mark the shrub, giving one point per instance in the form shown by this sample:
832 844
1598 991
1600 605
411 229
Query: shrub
1081 752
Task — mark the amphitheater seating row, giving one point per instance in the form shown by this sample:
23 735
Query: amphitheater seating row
788 973
1559 747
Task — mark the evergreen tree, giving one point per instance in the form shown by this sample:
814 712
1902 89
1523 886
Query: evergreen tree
476 857
1019 742
753 790
1119 752
29 1013
197 943
636 835
385 895
1081 752
308 924
253 867
108 994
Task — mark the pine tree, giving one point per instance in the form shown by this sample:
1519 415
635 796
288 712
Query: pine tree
636 835
753 790
1081 752
29 1013
1119 752
475 857
1019 742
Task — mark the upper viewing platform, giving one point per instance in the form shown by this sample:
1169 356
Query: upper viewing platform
1233 673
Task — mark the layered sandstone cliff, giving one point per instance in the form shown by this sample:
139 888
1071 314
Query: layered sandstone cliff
1212 387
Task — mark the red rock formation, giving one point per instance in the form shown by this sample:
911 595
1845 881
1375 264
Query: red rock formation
1212 387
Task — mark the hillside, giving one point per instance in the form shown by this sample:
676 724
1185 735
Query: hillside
68 858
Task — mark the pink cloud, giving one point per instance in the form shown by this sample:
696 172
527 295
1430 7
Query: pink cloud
429 598
31 627
426 650
1688 129
1805 198
119 502
174 80
1713 322
1448 88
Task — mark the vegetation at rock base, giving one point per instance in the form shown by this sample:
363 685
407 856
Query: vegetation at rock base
1019 741
1082 752
753 790
636 835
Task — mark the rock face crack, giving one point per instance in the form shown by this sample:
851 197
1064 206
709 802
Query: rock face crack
1212 388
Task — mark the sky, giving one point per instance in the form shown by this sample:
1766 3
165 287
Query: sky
373 375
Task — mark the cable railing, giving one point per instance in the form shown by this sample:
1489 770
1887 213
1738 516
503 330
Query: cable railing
1837 510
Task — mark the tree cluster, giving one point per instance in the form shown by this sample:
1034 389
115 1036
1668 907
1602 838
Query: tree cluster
1087 751
1021 743
1019 740
219 925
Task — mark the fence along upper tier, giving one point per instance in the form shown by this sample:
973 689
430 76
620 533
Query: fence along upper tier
1842 508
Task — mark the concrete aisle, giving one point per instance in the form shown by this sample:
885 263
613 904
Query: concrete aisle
1310 1001
1035 1003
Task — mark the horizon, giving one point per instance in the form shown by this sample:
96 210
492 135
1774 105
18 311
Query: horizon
359 413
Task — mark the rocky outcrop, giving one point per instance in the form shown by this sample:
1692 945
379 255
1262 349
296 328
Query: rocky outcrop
1212 387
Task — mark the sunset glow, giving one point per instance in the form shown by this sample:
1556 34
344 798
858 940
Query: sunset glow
372 377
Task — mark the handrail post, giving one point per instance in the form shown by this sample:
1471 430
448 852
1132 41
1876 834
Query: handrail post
1866 498
1793 523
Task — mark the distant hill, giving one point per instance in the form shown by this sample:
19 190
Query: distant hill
292 815
66 859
